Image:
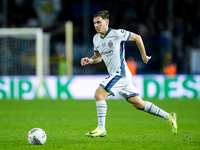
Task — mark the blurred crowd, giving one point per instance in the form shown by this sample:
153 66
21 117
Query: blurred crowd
148 18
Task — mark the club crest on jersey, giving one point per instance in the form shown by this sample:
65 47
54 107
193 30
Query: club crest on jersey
103 44
110 43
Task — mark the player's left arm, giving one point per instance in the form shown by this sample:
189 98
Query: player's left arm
137 38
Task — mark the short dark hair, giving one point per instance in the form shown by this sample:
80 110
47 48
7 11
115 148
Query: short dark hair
104 14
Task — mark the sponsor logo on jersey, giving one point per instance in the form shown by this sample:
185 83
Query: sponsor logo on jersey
107 52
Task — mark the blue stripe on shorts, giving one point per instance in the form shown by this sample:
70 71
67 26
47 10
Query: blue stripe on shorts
111 84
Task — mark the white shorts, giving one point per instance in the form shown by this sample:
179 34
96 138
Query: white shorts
122 85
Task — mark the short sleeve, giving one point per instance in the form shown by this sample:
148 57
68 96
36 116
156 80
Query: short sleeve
95 49
123 35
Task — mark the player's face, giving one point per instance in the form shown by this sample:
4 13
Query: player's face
101 25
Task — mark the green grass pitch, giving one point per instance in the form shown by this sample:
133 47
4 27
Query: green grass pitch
66 121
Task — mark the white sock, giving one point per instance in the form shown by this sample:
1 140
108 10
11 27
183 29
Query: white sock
153 109
101 113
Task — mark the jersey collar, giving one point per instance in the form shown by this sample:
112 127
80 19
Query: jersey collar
106 33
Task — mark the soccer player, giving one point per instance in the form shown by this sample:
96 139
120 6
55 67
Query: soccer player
109 47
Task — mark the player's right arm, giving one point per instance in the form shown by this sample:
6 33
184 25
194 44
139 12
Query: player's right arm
96 58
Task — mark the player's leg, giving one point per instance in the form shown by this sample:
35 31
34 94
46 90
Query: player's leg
131 95
149 107
109 86
101 105
146 106
100 94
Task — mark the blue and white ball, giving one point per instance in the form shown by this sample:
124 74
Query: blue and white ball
37 136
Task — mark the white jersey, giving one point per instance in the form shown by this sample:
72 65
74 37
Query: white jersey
111 47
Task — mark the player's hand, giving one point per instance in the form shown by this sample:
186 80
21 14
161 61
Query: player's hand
84 61
146 59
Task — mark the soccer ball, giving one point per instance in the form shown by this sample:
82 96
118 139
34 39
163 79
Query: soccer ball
37 136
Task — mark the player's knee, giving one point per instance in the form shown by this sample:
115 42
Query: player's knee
98 96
